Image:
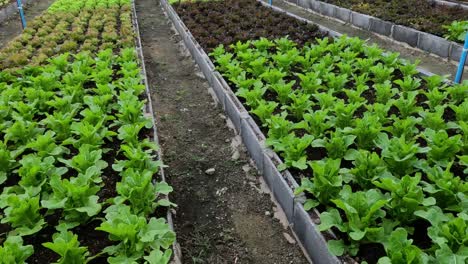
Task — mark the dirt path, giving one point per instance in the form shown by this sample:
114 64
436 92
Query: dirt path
12 27
222 217
429 62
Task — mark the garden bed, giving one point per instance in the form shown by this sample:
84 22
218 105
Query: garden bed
375 100
445 48
79 145
427 16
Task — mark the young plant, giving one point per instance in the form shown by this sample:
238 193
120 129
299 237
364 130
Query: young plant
363 223
21 212
399 154
66 244
448 233
406 195
325 183
400 249
138 190
293 150
337 145
442 147
13 250
134 234
367 167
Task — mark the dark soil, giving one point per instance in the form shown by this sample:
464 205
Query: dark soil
422 15
221 218
11 28
225 22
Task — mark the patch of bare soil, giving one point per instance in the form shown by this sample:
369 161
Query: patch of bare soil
222 217
11 28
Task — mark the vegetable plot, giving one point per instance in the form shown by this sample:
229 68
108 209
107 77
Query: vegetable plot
78 164
71 26
381 151
427 16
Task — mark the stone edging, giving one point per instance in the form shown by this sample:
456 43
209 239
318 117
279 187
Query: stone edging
415 38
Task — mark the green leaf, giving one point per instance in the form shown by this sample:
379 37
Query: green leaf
336 247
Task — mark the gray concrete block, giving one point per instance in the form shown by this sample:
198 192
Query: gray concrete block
233 111
314 5
218 88
312 240
252 142
434 44
456 51
301 3
343 14
327 9
284 196
360 20
380 26
406 35
269 172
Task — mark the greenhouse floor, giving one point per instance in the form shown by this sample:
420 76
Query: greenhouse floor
12 28
224 216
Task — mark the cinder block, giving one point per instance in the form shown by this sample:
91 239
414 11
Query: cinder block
284 196
327 9
343 14
233 111
311 239
380 26
406 35
456 51
252 142
434 44
360 20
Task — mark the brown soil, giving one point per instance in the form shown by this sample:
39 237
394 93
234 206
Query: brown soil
11 28
221 218
225 22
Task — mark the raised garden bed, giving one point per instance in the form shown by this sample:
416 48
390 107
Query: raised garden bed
79 156
423 40
427 16
335 111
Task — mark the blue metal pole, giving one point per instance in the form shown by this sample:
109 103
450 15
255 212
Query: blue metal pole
461 66
20 8
270 2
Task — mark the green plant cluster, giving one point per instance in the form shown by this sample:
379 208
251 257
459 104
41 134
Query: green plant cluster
457 30
75 145
382 149
55 134
71 26
4 3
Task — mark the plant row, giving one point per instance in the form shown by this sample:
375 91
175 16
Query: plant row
428 16
71 26
224 22
78 164
4 3
380 150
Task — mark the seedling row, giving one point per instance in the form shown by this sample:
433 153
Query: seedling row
378 148
78 161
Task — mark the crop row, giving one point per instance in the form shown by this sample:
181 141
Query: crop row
380 149
78 164
427 16
71 26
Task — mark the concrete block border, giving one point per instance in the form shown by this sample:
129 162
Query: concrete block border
177 254
415 38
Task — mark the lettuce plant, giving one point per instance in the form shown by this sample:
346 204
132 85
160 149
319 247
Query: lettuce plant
21 212
134 234
337 145
66 244
442 147
364 214
325 184
13 250
293 150
367 167
400 249
448 233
